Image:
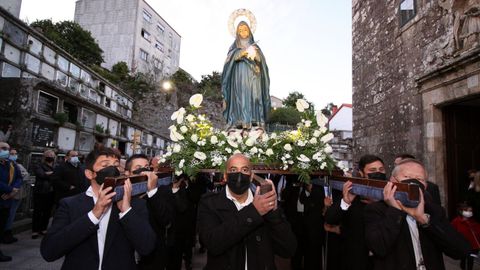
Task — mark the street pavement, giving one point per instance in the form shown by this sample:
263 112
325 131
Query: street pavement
26 256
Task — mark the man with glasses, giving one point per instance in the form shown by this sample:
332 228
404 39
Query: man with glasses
410 238
10 183
94 232
241 229
68 177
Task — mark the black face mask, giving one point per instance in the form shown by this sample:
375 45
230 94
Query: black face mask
110 171
49 159
140 170
238 183
377 176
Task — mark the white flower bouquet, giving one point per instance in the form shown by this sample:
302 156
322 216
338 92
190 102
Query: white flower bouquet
197 145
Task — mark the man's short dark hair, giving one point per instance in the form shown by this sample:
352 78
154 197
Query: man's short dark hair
367 159
69 152
93 156
405 156
128 164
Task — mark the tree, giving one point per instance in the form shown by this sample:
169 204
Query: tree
71 37
185 86
121 70
284 115
328 110
291 100
211 86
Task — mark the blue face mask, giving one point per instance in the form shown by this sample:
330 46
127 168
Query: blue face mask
13 158
4 154
74 160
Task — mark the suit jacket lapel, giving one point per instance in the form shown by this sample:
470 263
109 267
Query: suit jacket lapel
112 230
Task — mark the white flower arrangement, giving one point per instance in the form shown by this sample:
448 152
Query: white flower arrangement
199 145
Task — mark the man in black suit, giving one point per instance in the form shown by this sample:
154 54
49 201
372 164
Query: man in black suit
432 188
348 215
410 238
159 204
239 229
92 231
68 177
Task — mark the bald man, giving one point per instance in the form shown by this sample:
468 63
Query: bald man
410 238
241 229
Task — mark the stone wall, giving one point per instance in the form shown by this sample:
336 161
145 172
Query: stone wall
387 59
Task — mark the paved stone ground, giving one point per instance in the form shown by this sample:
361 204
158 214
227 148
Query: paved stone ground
26 256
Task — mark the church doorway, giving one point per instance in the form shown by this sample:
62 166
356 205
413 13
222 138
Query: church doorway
462 147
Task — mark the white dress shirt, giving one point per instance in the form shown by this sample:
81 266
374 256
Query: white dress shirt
102 225
240 206
417 248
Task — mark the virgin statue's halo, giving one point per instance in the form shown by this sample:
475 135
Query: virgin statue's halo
241 15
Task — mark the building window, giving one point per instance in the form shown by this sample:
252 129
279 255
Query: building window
143 55
407 11
146 35
147 16
160 29
71 111
47 104
159 45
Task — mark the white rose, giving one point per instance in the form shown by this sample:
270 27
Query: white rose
250 142
176 148
287 156
308 123
301 143
180 164
313 140
194 138
269 152
273 136
302 105
200 155
322 120
214 139
201 143
323 165
317 133
172 127
317 156
237 152
162 160
183 129
196 100
221 143
254 150
327 137
290 162
328 149
178 172
303 158
287 147
190 118
228 150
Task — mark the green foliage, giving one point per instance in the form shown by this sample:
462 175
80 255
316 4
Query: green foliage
99 128
185 86
138 85
211 86
121 70
328 110
71 37
291 100
107 74
61 118
285 115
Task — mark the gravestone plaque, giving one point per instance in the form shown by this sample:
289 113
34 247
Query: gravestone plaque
47 104
43 134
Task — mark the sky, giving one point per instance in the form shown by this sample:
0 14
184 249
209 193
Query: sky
306 43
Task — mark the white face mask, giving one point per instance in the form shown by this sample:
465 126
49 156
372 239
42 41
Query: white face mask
467 214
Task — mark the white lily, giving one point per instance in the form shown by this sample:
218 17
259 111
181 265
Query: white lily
232 144
287 147
313 140
302 105
322 120
328 149
327 137
269 152
317 133
200 155
303 158
196 100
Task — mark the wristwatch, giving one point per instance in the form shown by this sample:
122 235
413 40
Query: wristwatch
428 221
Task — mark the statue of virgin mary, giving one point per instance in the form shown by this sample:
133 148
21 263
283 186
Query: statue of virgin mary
245 82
